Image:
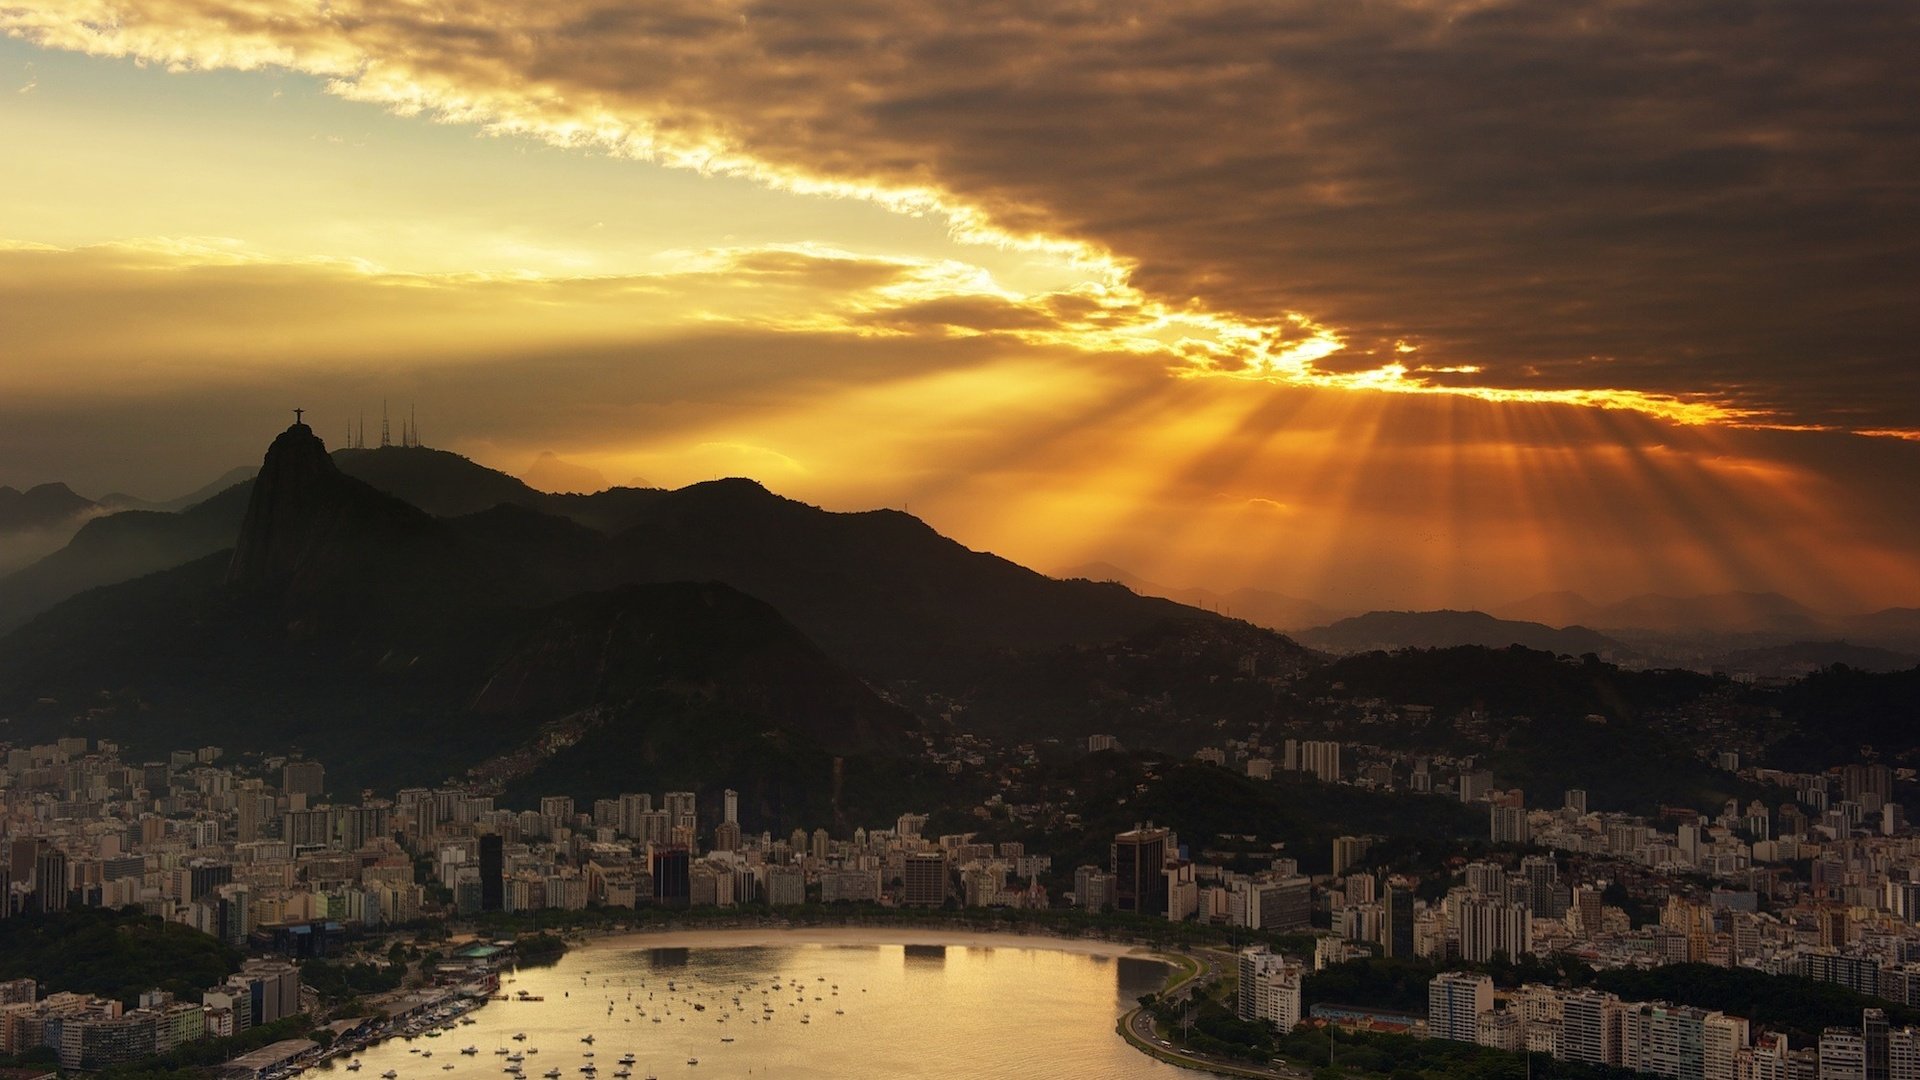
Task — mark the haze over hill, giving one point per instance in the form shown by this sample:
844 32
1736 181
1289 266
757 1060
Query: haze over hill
1262 607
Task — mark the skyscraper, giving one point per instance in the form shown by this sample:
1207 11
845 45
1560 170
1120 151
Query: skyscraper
672 876
493 868
1138 857
1397 928
924 880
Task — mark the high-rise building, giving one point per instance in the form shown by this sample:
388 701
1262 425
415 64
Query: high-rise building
924 879
1455 1000
493 876
1590 1027
680 810
672 869
51 889
1873 1028
1723 1039
1397 924
1489 926
1475 785
303 778
1138 857
1509 825
1321 758
1843 1055
1269 988
1576 800
1347 852
1545 893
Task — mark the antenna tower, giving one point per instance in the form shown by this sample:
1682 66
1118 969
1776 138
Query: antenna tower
386 432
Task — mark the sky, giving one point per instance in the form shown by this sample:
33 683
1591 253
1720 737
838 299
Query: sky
1386 304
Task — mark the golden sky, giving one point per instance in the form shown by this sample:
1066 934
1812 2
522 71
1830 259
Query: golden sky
1402 304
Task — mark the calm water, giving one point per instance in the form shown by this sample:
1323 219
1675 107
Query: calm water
839 1011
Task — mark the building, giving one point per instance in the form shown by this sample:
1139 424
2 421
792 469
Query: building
1092 888
1590 1027
1138 857
1455 1000
1509 825
1347 852
924 879
306 778
1843 1054
1396 925
1489 926
492 872
672 870
1269 988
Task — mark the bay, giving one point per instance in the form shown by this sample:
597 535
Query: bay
801 1005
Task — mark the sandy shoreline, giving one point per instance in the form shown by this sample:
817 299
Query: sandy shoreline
858 936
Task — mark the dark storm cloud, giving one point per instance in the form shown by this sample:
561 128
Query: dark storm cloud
1684 196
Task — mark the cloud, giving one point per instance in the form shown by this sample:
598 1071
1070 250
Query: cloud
1701 204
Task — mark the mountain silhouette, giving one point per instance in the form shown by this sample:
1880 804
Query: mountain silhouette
350 617
1445 629
406 646
44 506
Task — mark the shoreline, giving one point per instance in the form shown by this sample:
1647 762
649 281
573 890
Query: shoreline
864 937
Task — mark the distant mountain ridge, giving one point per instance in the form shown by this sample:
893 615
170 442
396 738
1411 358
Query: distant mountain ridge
1446 629
1275 611
1718 613
43 506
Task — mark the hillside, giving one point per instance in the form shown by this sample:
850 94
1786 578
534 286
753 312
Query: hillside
401 647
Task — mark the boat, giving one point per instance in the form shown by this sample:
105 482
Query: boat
470 1050
354 1065
519 1036
587 1038
551 1074
389 1075
500 1050
626 1059
448 1065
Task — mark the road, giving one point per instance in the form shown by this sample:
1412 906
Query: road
1137 1028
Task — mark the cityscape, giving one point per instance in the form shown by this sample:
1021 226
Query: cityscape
660 539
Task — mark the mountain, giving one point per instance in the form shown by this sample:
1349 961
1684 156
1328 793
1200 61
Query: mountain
1727 613
551 472
879 589
1892 628
1552 609
402 646
124 545
120 547
1388 630
37 521
46 506
380 621
1711 613
237 475
1803 657
1275 611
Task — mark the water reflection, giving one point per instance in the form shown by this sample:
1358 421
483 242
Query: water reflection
813 1011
